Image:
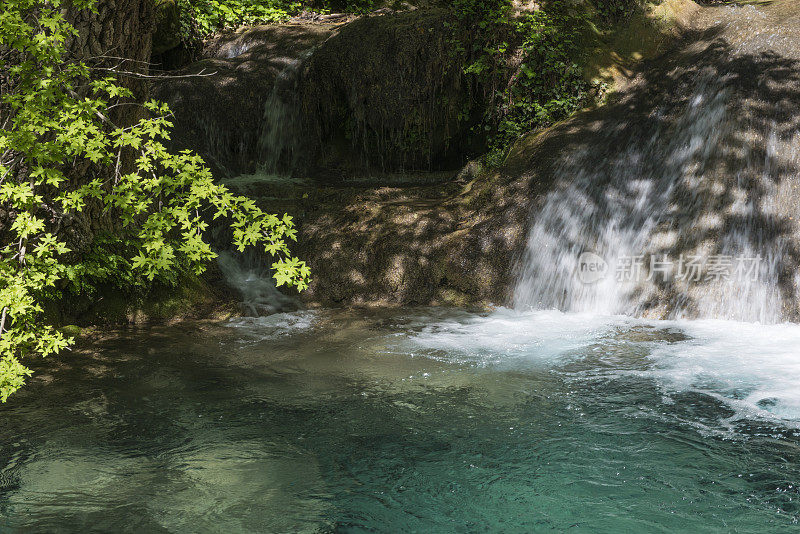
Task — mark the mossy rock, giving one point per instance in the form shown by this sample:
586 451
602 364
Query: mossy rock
191 297
389 93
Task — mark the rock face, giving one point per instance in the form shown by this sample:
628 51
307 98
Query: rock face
219 102
433 244
696 157
380 94
456 240
389 93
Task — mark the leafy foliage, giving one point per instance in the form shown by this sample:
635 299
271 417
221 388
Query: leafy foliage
350 6
55 116
202 18
530 62
548 84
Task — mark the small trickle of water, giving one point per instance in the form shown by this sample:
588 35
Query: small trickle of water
280 139
253 282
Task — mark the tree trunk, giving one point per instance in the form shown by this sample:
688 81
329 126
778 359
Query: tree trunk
118 36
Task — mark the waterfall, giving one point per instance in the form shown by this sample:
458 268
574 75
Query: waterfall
665 220
278 147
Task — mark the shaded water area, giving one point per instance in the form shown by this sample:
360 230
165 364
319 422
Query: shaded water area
426 420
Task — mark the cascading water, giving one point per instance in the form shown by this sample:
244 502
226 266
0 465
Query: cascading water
279 144
612 210
677 218
280 139
428 419
248 275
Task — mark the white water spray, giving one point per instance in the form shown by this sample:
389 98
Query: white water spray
253 282
655 203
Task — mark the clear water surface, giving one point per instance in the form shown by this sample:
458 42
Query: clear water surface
413 421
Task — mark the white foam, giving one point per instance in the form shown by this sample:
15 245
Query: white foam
508 334
753 368
249 275
275 325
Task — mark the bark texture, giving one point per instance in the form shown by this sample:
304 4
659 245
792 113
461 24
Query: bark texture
117 38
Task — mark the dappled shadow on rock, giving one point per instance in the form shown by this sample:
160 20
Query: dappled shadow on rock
443 244
697 159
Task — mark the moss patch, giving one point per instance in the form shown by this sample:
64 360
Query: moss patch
647 33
